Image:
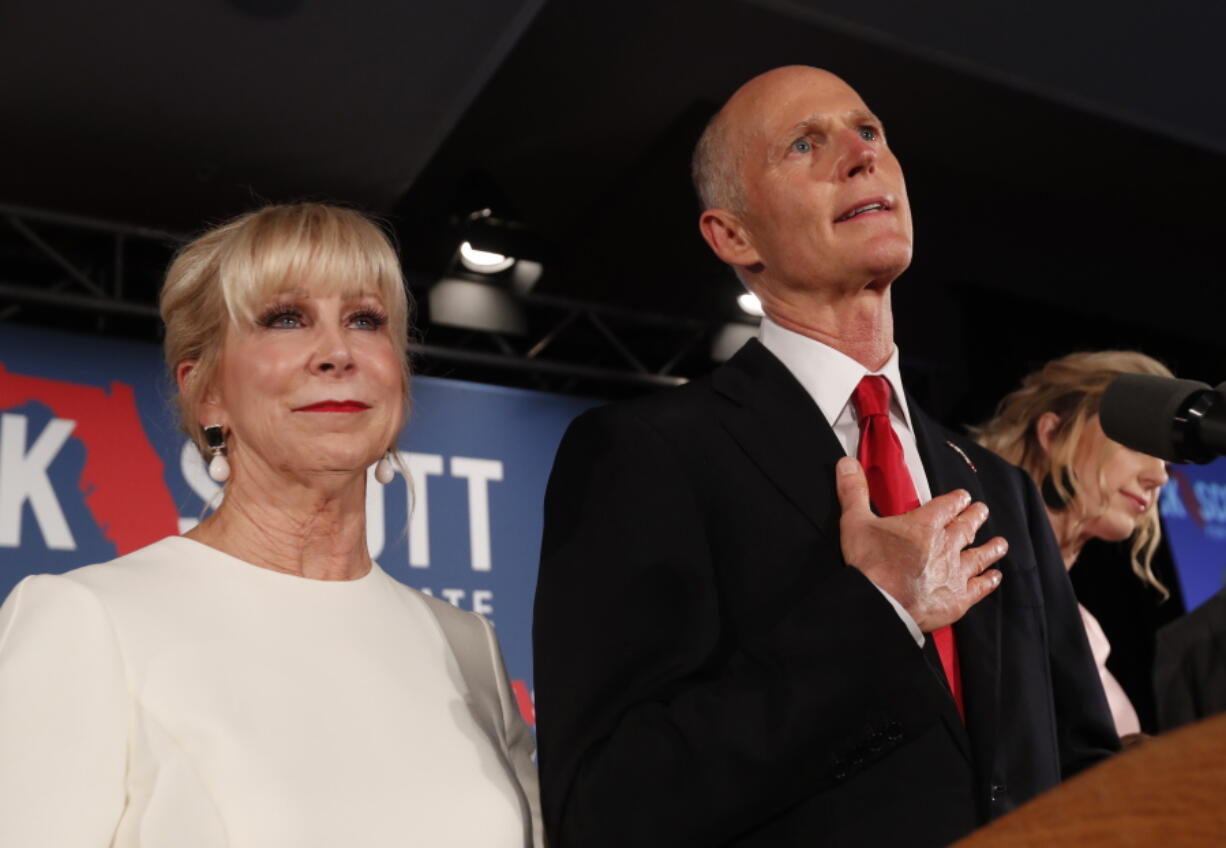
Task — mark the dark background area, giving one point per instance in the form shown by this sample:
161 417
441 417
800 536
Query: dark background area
1065 163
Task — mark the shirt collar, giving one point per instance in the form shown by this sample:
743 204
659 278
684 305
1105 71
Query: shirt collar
828 375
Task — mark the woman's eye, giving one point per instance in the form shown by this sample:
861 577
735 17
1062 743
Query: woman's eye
282 319
802 145
367 321
868 133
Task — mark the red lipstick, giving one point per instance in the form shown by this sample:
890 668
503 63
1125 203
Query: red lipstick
335 406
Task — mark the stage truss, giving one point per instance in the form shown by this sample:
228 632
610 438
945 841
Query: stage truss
84 275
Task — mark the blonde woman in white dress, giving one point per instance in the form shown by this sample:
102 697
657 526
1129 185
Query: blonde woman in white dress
260 682
1093 487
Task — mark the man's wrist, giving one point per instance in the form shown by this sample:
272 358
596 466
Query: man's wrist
912 627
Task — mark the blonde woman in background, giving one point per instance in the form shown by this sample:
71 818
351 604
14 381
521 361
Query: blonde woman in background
261 682
1093 487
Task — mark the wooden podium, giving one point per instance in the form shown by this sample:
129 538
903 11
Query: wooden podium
1169 791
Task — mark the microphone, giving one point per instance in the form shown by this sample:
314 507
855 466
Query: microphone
1172 419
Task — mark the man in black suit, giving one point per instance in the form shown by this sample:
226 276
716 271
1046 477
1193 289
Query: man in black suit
731 648
1190 665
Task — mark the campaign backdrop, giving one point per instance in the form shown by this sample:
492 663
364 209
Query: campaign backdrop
93 466
1193 510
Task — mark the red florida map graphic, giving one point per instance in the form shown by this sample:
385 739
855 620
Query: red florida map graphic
122 478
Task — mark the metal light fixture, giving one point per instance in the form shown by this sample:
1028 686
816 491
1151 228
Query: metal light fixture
471 305
729 339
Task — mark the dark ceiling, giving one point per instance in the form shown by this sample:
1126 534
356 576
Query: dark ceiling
1064 160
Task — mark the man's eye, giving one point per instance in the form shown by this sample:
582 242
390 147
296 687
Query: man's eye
802 145
868 133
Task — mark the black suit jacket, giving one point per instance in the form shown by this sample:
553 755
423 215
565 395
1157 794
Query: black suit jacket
709 671
1190 665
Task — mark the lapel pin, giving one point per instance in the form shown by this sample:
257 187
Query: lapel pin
962 454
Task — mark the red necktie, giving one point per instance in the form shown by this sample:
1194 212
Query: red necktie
892 492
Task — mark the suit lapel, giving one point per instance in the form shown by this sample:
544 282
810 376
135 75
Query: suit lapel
782 430
977 634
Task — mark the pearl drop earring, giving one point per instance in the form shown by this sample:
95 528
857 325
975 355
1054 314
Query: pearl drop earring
219 466
384 470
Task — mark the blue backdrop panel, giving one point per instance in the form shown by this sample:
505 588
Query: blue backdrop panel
92 465
1193 510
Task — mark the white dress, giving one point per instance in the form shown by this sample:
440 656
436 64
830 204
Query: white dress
1122 712
177 697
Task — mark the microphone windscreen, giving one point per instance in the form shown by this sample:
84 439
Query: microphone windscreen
1138 411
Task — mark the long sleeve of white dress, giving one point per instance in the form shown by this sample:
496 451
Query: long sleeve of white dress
180 698
64 711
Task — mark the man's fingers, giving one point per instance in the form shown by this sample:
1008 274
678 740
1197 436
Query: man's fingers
852 487
978 588
975 560
969 521
945 508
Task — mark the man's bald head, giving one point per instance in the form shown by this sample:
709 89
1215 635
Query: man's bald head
801 194
715 167
719 154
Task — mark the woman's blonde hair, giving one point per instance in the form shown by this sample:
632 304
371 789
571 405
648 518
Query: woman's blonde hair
222 278
1072 388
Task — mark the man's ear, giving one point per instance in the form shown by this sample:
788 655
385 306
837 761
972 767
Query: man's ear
728 238
1044 428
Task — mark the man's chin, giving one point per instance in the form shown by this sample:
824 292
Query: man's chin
886 263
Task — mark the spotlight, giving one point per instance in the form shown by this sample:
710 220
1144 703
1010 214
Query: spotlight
750 304
476 306
729 340
483 261
525 275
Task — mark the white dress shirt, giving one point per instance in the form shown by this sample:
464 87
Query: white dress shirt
830 378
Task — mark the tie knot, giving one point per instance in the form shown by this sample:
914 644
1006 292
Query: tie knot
872 396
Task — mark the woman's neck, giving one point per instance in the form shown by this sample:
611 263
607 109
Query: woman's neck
1070 543
309 528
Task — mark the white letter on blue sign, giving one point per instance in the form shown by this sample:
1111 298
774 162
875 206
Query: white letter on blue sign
23 476
421 466
478 472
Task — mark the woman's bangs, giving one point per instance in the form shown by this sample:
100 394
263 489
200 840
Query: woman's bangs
322 254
